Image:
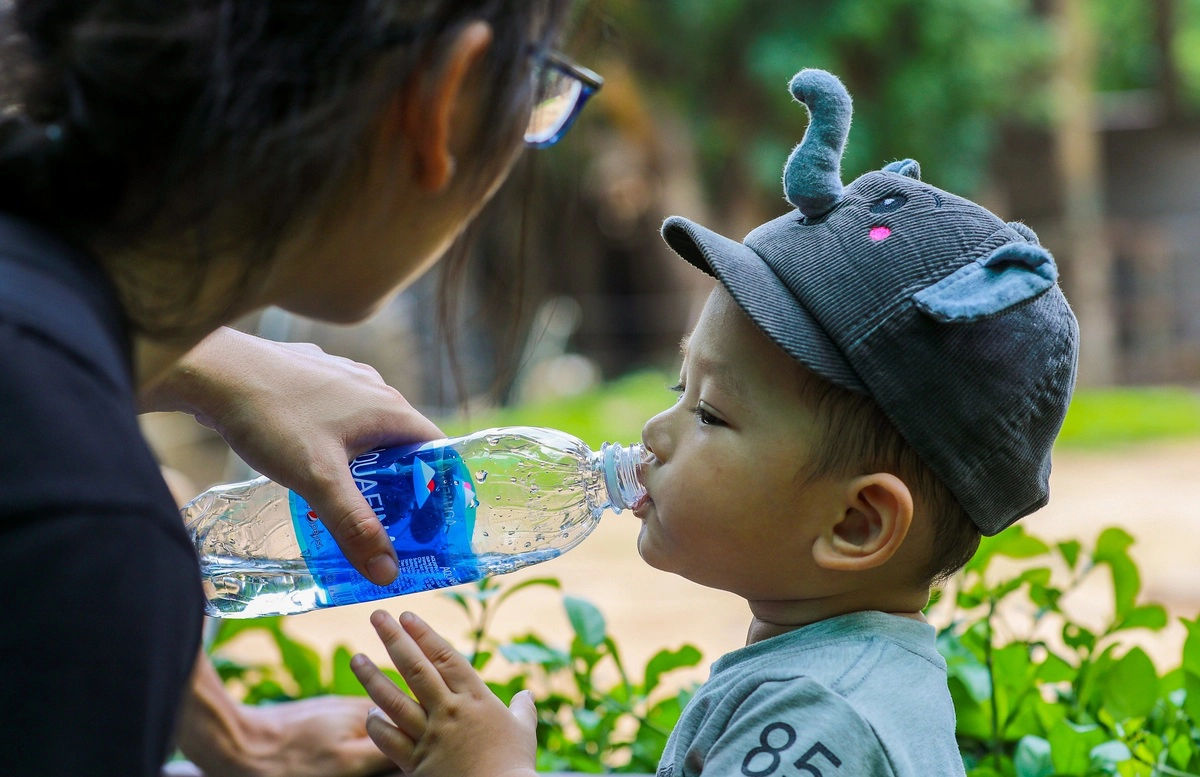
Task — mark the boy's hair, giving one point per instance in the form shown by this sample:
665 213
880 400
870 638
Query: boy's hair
857 436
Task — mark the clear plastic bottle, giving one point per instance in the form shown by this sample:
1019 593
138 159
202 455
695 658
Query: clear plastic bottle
456 510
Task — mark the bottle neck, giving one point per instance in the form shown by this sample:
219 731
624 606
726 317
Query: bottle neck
619 466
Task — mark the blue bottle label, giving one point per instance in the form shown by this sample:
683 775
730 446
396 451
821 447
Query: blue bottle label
425 499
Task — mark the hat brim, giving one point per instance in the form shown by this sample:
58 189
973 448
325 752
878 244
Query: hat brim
769 303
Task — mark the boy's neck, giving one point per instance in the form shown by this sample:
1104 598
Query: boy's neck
770 619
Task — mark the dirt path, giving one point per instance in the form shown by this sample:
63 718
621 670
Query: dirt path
1153 491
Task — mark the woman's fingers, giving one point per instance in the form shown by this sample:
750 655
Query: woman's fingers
405 713
393 742
455 671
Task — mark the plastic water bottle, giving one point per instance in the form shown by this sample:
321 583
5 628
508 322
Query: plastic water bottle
455 510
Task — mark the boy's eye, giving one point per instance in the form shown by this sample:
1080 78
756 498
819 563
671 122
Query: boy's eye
678 389
706 418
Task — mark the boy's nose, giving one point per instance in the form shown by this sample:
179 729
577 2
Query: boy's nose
654 436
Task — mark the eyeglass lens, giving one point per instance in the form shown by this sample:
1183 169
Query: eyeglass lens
555 99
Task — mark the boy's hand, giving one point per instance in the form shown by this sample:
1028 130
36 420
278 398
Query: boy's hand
457 726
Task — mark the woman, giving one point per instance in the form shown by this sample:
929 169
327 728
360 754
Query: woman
167 166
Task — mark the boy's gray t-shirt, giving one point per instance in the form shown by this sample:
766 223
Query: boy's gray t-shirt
859 694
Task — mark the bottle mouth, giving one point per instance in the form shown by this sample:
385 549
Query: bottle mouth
623 474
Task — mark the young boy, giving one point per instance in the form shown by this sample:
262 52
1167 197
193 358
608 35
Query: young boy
876 382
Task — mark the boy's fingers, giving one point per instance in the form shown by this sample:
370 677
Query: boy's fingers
391 741
404 712
456 671
422 676
524 710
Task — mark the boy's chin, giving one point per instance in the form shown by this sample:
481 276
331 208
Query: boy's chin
649 553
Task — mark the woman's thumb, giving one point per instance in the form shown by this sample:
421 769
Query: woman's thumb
523 709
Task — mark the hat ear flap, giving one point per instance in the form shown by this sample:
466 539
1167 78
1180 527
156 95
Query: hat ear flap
908 167
1012 274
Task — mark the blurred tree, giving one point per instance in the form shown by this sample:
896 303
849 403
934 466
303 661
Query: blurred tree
932 79
695 119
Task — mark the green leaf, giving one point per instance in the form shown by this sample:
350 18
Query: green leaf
1107 755
1070 552
1191 646
667 660
397 678
1032 758
507 690
458 599
586 620
548 582
302 662
1071 746
972 717
529 652
1012 542
1181 751
231 627
229 670
267 690
344 683
1130 686
1191 669
1112 549
1078 638
1055 670
1147 616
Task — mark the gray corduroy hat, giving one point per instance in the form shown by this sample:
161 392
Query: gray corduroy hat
950 319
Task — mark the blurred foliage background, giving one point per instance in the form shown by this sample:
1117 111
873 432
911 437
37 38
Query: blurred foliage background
1078 117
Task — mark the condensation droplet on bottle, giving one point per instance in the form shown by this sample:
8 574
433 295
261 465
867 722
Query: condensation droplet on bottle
529 544
481 475
493 439
533 489
391 538
485 534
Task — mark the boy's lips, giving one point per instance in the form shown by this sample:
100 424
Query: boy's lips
640 505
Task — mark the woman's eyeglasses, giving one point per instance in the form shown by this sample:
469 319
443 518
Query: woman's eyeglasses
562 87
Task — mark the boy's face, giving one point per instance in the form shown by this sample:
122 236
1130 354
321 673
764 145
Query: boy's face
729 504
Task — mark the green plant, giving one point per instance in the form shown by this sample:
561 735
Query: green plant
1057 697
1037 692
592 717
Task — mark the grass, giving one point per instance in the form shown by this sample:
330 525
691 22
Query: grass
1104 417
615 412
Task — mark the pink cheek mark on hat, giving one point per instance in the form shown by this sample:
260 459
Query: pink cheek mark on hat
880 233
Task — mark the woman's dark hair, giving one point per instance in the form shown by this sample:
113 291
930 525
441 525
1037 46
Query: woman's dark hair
220 123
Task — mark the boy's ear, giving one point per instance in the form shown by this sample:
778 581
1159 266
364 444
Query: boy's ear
874 523
426 108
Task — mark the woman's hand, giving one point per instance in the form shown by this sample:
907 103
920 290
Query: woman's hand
298 416
457 726
325 736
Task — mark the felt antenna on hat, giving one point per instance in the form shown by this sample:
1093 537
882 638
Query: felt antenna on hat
812 179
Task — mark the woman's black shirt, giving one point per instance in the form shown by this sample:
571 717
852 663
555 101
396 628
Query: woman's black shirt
100 601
